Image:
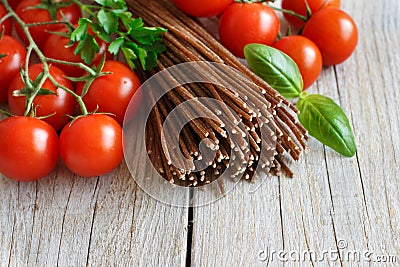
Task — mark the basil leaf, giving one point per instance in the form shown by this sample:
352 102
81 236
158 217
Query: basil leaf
276 68
327 122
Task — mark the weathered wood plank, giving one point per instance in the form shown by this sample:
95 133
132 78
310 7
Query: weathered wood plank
160 233
71 221
234 230
130 228
112 223
334 201
370 91
348 211
9 194
77 222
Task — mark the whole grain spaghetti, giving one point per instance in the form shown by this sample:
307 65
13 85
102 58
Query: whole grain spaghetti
241 135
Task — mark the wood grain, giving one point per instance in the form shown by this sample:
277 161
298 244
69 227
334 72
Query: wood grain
234 230
64 220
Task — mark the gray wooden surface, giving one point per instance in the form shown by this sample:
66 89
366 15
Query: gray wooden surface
333 204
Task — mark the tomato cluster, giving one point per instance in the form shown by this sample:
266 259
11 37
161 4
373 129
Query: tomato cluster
89 143
328 35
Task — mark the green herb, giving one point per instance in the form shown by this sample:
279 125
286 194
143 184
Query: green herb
320 115
113 23
327 122
276 68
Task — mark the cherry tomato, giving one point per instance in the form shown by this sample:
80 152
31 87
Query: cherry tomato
13 57
299 7
112 93
32 15
28 148
334 32
14 3
201 8
7 23
243 24
56 47
92 145
58 105
306 55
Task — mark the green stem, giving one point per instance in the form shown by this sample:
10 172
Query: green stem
86 8
28 56
290 12
46 23
73 64
252 1
32 46
31 98
5 18
77 97
303 95
8 114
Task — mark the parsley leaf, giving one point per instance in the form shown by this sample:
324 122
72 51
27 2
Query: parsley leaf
108 20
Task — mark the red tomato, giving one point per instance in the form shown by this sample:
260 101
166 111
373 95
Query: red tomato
92 145
28 148
243 24
14 3
32 15
112 93
56 47
334 32
7 23
201 8
60 105
306 55
299 7
14 56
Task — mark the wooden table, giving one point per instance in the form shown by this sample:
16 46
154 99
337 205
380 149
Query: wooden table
333 203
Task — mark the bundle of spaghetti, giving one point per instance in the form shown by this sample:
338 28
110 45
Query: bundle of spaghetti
237 138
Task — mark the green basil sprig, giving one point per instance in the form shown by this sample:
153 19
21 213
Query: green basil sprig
320 115
275 67
327 122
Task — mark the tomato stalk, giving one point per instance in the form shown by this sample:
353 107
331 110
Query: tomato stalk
4 18
290 12
253 1
33 47
86 8
45 23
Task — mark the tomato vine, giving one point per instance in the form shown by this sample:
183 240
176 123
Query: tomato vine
109 21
